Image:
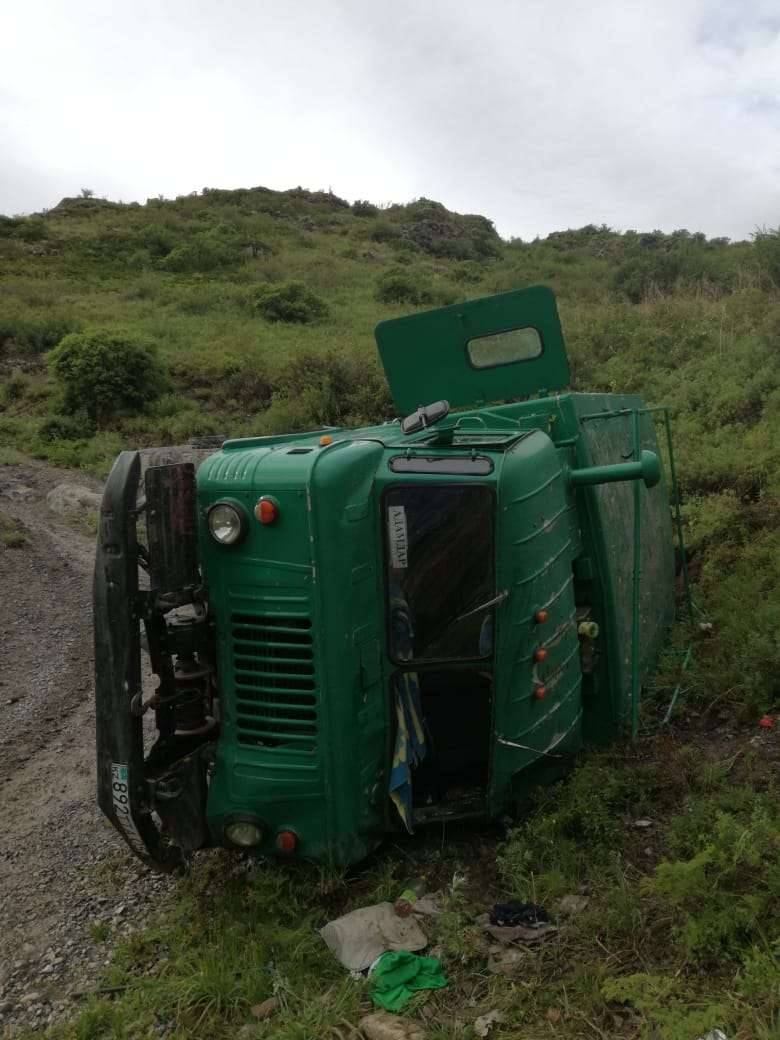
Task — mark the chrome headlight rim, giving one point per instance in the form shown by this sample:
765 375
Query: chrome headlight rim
243 820
242 521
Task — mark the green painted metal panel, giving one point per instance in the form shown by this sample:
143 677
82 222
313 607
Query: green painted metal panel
538 707
492 349
300 607
608 515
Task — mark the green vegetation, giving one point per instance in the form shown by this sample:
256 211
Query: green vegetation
12 534
290 302
103 374
259 307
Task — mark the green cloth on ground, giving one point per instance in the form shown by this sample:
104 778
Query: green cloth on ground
398 975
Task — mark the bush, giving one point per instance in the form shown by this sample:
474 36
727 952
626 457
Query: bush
103 373
15 387
469 272
65 428
206 252
363 208
23 336
400 285
331 389
768 253
384 231
290 302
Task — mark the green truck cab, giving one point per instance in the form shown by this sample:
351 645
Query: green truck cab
359 632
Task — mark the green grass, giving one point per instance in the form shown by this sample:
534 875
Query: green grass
680 933
12 534
671 942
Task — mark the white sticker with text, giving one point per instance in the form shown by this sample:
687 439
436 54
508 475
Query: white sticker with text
399 541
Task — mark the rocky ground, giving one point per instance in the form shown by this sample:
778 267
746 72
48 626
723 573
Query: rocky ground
68 886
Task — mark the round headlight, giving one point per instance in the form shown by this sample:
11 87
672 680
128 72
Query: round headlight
243 833
227 523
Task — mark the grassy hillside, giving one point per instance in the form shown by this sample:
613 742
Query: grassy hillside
682 929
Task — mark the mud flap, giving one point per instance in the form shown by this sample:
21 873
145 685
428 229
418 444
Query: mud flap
122 791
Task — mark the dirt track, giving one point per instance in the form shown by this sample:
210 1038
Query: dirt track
66 880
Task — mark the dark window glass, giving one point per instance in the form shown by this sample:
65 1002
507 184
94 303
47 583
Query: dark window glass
439 568
450 465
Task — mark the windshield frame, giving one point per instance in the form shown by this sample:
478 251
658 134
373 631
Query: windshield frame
420 664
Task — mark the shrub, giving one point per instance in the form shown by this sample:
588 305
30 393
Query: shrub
400 285
469 272
157 239
206 252
24 336
15 386
65 428
103 373
363 208
330 389
384 231
290 302
768 253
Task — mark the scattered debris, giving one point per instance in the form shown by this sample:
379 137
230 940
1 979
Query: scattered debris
714 1034
506 961
265 1009
408 898
507 915
428 906
766 722
398 975
360 937
517 933
485 1023
521 934
568 906
382 1026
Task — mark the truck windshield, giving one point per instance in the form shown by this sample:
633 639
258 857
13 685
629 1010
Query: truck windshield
439 567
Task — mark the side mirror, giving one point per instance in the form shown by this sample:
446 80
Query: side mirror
425 416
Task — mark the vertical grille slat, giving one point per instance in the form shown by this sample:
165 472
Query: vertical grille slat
276 681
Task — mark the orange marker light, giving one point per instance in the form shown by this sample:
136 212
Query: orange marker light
287 841
540 692
325 440
541 653
266 511
541 616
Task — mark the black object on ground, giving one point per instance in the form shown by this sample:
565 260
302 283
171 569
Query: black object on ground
509 915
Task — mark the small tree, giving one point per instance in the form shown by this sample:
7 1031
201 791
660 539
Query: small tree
103 373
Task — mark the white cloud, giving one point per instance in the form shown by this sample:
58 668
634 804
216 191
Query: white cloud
541 114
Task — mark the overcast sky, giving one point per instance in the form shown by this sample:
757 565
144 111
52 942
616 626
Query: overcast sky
541 114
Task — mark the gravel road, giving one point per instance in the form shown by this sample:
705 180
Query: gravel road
68 886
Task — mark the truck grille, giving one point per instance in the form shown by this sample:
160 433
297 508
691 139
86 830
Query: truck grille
276 683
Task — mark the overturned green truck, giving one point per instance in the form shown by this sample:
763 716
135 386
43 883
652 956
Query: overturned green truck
360 632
